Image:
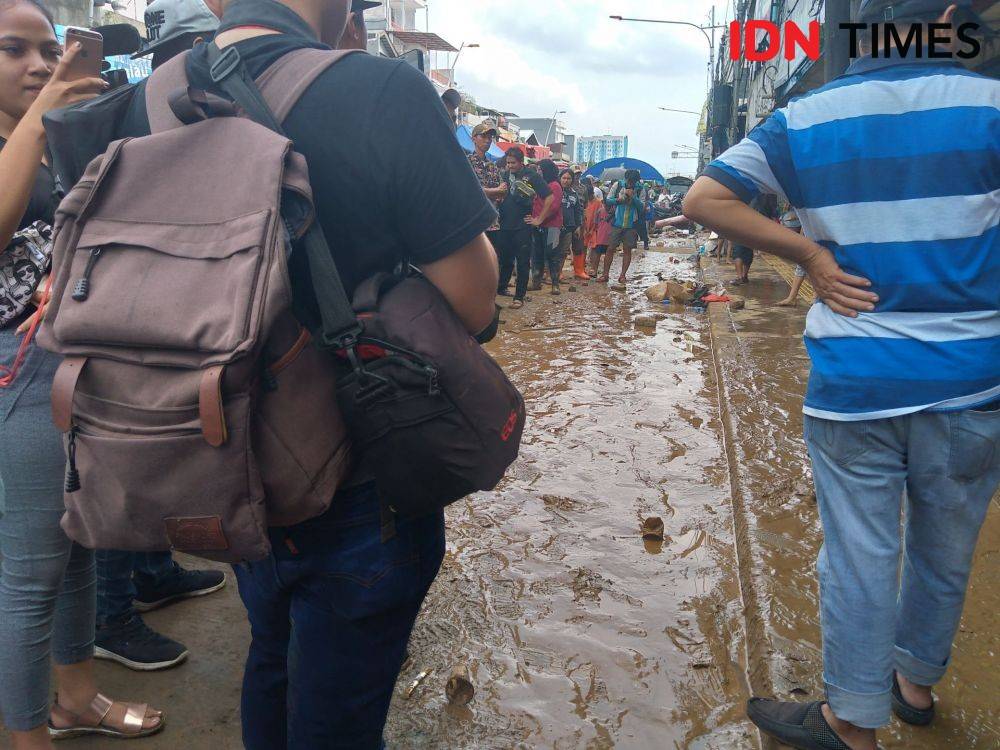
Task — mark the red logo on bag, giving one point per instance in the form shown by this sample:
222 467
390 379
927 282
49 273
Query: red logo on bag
508 428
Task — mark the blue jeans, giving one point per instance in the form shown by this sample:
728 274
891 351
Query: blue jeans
46 580
118 572
331 612
876 616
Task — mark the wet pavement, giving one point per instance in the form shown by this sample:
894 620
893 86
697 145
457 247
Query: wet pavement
766 369
576 632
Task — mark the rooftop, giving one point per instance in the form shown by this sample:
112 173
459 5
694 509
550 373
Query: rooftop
424 39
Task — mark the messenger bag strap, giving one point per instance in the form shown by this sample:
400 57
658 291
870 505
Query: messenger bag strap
340 327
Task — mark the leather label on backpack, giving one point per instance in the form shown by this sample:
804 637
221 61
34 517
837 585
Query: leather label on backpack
202 533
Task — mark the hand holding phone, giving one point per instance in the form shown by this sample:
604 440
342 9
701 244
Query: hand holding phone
62 89
88 60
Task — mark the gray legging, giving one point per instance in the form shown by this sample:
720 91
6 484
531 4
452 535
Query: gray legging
47 591
545 252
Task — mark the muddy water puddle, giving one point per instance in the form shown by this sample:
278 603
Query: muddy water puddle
577 632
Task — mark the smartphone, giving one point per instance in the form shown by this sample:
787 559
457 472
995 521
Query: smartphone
90 58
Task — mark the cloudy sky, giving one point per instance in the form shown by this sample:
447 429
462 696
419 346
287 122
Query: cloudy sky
537 56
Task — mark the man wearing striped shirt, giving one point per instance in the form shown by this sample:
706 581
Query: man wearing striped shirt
894 171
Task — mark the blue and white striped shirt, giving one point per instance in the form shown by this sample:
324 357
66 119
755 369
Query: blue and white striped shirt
895 167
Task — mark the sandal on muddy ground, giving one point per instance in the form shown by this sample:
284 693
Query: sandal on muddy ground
798 725
918 717
517 304
64 724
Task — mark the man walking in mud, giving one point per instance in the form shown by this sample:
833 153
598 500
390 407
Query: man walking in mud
904 395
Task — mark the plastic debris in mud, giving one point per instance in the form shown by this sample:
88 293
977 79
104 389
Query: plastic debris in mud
459 689
678 292
416 682
646 321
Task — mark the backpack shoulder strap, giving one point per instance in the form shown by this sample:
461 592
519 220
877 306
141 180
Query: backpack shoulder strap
288 77
166 79
281 84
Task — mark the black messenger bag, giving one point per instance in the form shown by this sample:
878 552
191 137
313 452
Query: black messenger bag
423 402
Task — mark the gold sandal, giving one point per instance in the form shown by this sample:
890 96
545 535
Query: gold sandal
93 721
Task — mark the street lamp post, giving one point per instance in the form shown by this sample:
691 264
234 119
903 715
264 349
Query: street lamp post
551 123
685 111
451 73
703 29
711 48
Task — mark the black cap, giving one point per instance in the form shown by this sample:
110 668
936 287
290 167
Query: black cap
360 6
877 11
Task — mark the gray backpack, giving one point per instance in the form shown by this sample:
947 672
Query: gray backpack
196 409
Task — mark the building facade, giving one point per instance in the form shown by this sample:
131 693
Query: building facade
596 148
745 93
546 129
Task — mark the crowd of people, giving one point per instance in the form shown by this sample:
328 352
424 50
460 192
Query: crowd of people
352 579
548 216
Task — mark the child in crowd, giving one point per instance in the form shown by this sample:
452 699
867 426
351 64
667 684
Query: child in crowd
596 230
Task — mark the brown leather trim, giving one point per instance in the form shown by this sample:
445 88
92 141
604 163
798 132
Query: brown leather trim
210 411
196 534
288 357
63 388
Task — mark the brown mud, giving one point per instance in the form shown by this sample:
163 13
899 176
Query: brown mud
581 634
576 632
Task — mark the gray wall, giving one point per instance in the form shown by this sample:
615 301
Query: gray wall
70 12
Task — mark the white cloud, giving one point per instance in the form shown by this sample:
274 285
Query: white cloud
537 56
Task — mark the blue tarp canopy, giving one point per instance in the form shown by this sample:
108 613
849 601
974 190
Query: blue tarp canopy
465 139
646 171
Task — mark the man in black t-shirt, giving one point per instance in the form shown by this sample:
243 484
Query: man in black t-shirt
380 197
513 240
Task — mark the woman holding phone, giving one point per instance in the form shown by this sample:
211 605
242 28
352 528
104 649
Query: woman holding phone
47 587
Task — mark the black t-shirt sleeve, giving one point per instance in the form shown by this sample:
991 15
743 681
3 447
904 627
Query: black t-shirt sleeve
434 199
540 186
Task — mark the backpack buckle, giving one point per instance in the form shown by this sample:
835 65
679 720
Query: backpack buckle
347 340
227 63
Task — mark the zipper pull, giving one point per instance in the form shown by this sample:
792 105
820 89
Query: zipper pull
81 290
72 475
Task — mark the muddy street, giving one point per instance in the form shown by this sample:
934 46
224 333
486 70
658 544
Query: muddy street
576 632
579 634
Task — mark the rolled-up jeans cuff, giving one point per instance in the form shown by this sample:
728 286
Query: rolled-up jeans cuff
866 710
916 670
73 656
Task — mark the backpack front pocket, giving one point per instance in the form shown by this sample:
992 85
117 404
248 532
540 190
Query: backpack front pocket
175 287
148 481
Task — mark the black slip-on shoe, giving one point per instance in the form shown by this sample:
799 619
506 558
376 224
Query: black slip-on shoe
184 584
798 725
918 717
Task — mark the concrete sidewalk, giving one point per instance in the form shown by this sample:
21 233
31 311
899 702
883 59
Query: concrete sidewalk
765 368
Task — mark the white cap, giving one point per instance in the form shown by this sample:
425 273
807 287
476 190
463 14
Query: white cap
166 20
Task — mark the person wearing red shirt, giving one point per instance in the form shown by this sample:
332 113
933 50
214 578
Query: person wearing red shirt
546 218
